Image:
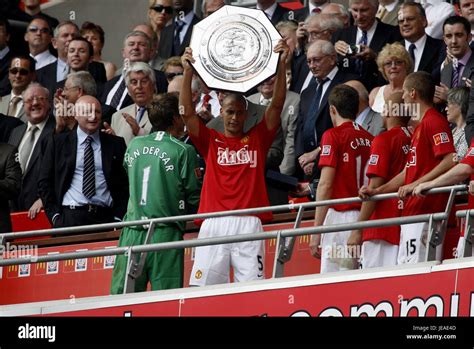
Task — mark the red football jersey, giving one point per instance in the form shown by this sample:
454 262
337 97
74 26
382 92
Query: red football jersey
469 160
388 156
235 169
431 141
347 149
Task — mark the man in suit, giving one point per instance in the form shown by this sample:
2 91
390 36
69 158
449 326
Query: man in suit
76 85
288 121
274 11
313 7
7 125
388 11
33 9
136 48
457 36
82 180
30 138
177 36
370 120
10 183
5 56
426 52
371 35
314 118
133 120
467 11
38 36
20 75
52 74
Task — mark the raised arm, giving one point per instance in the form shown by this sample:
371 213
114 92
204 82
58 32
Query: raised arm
273 113
186 109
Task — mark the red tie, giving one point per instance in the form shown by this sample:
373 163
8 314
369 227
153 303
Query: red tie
205 101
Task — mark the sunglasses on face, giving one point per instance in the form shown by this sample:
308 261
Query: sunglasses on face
170 76
34 29
160 8
22 71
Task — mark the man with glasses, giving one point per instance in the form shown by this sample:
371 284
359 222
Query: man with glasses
30 138
38 37
20 75
314 119
426 52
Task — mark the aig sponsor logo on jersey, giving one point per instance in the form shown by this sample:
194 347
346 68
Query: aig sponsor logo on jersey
243 156
440 138
411 160
374 159
326 150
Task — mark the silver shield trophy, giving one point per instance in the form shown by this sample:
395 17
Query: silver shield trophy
233 49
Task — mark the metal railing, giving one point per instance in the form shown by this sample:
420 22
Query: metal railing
468 215
284 237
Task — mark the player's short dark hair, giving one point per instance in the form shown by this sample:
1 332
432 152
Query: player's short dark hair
235 97
346 101
423 83
458 20
162 111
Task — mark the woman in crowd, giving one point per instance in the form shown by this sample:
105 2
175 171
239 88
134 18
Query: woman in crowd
458 103
95 35
395 64
160 13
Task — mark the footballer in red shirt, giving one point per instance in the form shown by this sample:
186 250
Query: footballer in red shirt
387 159
431 154
345 150
234 178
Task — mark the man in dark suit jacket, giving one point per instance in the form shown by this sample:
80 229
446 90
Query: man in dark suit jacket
372 35
5 57
426 52
66 176
314 6
183 23
322 60
114 95
7 125
29 139
274 11
10 183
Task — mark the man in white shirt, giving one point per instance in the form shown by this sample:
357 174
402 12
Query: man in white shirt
38 37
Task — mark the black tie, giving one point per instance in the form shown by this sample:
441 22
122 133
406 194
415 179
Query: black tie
412 49
88 179
115 102
309 134
359 63
177 41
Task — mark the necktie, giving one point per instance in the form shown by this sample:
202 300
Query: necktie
359 63
316 10
381 13
309 128
205 101
13 107
115 102
411 50
27 148
141 111
88 178
177 40
456 74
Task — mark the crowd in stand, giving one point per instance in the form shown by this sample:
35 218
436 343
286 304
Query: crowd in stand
370 98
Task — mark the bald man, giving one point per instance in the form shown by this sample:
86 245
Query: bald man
369 119
83 180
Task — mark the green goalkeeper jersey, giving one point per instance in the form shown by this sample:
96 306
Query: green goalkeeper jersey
163 176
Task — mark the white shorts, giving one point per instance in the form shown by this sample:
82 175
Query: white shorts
412 248
334 254
212 263
378 253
